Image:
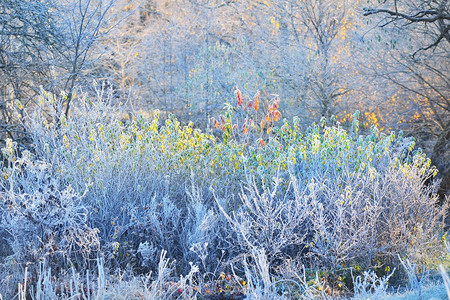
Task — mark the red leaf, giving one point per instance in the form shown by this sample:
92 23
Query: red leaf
239 97
276 103
276 115
256 99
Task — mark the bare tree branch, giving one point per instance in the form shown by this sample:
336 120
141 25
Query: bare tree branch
428 16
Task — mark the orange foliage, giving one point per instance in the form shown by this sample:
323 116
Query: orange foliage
239 98
256 100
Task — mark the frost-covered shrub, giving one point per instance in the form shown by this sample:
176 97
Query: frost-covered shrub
43 215
339 201
148 183
369 285
317 202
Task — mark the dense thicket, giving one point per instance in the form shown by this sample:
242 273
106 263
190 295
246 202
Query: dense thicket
268 202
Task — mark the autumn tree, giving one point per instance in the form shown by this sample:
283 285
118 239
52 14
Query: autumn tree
423 70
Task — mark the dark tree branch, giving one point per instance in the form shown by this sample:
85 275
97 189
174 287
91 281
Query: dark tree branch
427 16
443 34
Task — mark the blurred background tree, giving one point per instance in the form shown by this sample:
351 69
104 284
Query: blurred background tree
419 67
28 40
46 45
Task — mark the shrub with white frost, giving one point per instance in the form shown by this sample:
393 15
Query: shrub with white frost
292 211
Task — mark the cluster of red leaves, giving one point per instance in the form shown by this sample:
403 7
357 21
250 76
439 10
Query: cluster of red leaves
255 102
274 114
240 100
221 123
250 109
